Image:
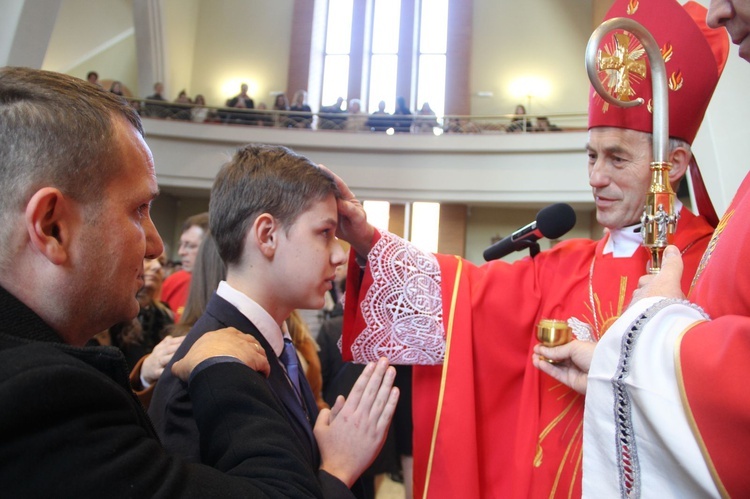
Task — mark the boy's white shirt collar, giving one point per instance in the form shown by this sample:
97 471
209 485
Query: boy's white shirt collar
623 243
255 314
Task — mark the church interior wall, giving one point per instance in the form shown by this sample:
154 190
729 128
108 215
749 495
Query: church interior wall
217 43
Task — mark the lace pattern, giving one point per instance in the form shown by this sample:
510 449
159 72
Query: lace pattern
403 309
627 452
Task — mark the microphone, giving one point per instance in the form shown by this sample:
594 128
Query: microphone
551 222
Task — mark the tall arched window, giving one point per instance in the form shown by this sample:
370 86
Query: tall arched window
383 70
380 49
432 49
337 48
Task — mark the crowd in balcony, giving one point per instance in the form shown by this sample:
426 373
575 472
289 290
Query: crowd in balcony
241 109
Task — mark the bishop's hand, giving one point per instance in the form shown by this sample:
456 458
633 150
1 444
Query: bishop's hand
353 226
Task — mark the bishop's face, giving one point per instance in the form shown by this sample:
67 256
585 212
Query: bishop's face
619 174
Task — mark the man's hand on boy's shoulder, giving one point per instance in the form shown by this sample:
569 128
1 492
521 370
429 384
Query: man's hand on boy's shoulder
227 342
352 432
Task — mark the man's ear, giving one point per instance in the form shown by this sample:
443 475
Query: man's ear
680 159
265 231
48 224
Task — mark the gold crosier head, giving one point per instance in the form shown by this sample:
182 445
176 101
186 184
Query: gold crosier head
617 62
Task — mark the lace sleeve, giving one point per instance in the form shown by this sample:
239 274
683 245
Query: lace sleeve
403 309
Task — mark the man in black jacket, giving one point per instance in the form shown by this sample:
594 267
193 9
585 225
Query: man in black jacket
76 184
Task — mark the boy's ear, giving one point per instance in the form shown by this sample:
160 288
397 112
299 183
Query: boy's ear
49 224
265 229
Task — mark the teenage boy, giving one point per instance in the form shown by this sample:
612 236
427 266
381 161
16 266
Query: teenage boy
273 214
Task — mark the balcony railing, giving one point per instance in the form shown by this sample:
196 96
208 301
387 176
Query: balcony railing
377 123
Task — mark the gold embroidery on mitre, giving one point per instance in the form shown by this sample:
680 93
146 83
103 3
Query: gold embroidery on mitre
667 52
621 65
650 105
632 7
676 81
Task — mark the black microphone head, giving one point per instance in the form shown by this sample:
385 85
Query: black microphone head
555 220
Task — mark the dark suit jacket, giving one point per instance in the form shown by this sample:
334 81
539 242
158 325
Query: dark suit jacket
171 407
71 427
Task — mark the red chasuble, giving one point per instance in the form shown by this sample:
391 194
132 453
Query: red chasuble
486 422
714 355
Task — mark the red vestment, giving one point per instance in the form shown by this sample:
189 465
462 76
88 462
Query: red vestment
713 354
486 422
174 292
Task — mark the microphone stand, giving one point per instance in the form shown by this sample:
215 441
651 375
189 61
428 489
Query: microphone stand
533 246
659 219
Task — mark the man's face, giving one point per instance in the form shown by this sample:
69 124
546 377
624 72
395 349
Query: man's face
306 258
190 242
734 15
118 234
619 174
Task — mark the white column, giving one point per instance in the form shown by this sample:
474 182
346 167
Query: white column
149 45
25 31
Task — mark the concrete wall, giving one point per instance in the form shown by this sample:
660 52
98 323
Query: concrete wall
242 41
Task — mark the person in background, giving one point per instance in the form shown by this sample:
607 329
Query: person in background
425 120
281 104
93 77
241 100
116 88
182 110
520 123
139 337
301 113
176 286
356 119
543 125
199 113
402 116
380 120
153 109
158 90
329 116
207 273
263 117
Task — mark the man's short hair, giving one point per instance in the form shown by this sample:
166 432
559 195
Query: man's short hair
262 179
57 131
199 220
